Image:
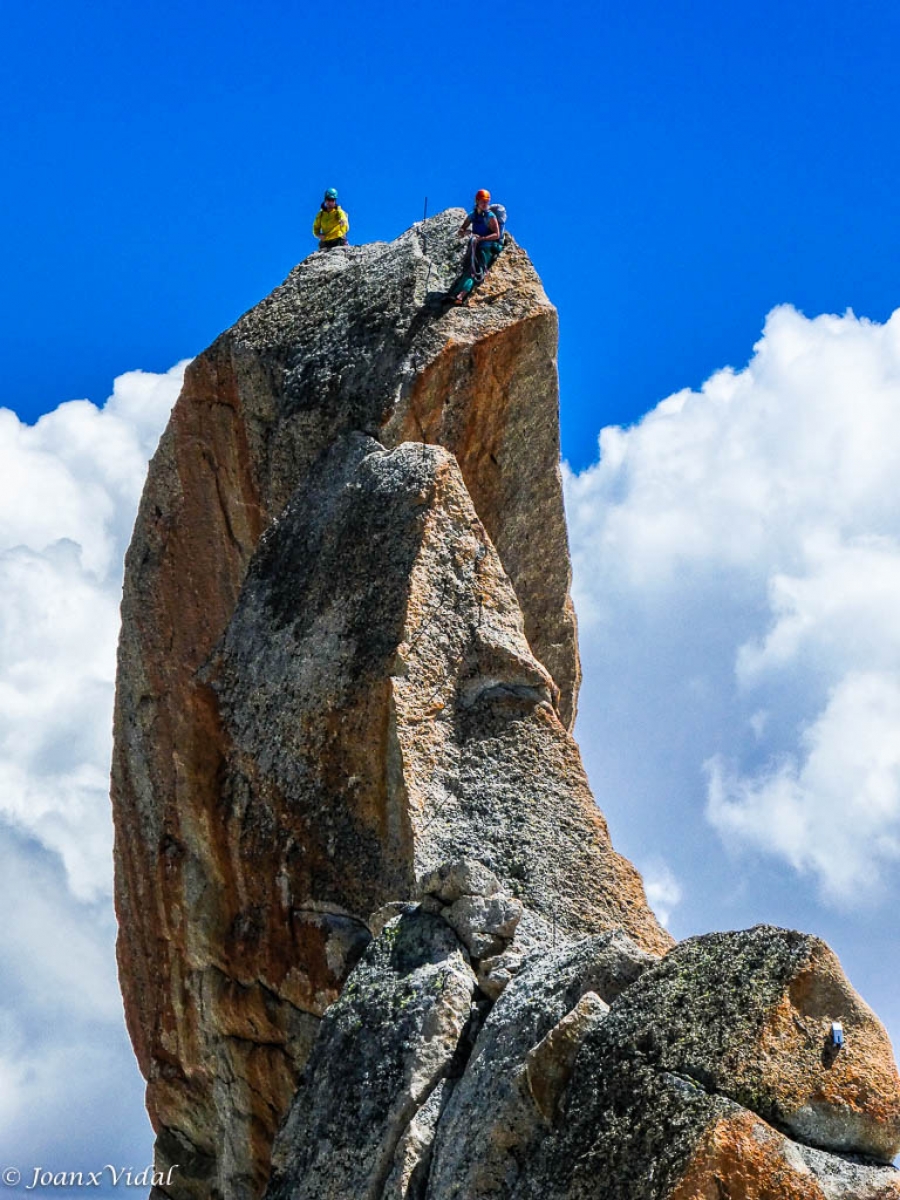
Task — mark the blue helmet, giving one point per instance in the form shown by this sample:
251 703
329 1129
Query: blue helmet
331 193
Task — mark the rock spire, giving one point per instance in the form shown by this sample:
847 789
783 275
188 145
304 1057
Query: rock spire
375 943
348 655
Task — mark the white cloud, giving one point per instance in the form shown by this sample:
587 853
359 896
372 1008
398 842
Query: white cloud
737 578
69 488
832 808
63 1048
56 953
662 888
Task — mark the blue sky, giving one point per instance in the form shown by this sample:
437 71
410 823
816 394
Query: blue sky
676 172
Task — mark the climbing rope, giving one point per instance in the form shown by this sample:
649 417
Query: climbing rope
476 268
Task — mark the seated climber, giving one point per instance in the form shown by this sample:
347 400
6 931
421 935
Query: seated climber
485 243
332 224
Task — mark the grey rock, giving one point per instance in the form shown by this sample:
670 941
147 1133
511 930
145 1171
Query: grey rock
492 1128
632 1133
496 973
843 1178
484 924
697 1060
464 877
532 933
746 1015
346 676
350 755
378 919
382 1049
408 1179
548 1065
534 930
347 656
339 694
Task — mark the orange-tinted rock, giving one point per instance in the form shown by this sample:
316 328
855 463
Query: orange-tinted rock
346 674
742 1158
847 1099
681 1090
387 1044
384 714
748 1015
548 1065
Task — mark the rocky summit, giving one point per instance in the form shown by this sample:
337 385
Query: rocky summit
374 939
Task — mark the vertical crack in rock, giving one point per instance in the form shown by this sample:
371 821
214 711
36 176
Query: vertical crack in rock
383 1049
494 1125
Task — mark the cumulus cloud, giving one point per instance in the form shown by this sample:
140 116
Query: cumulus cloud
737 578
69 488
61 1028
662 888
833 807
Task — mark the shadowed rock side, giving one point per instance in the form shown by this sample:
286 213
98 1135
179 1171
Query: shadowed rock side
372 710
398 1032
600 1074
381 701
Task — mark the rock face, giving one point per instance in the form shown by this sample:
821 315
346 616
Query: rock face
516 1082
347 657
375 943
601 1073
748 1016
396 1032
724 1045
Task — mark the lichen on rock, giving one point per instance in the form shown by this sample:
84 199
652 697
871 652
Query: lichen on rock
383 1049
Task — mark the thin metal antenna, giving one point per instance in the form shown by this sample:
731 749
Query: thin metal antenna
425 245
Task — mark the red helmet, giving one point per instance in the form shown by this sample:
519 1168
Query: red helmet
482 194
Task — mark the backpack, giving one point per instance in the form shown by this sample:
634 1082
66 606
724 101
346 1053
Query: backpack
500 213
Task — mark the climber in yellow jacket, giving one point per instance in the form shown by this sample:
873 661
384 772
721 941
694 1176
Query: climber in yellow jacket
332 224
